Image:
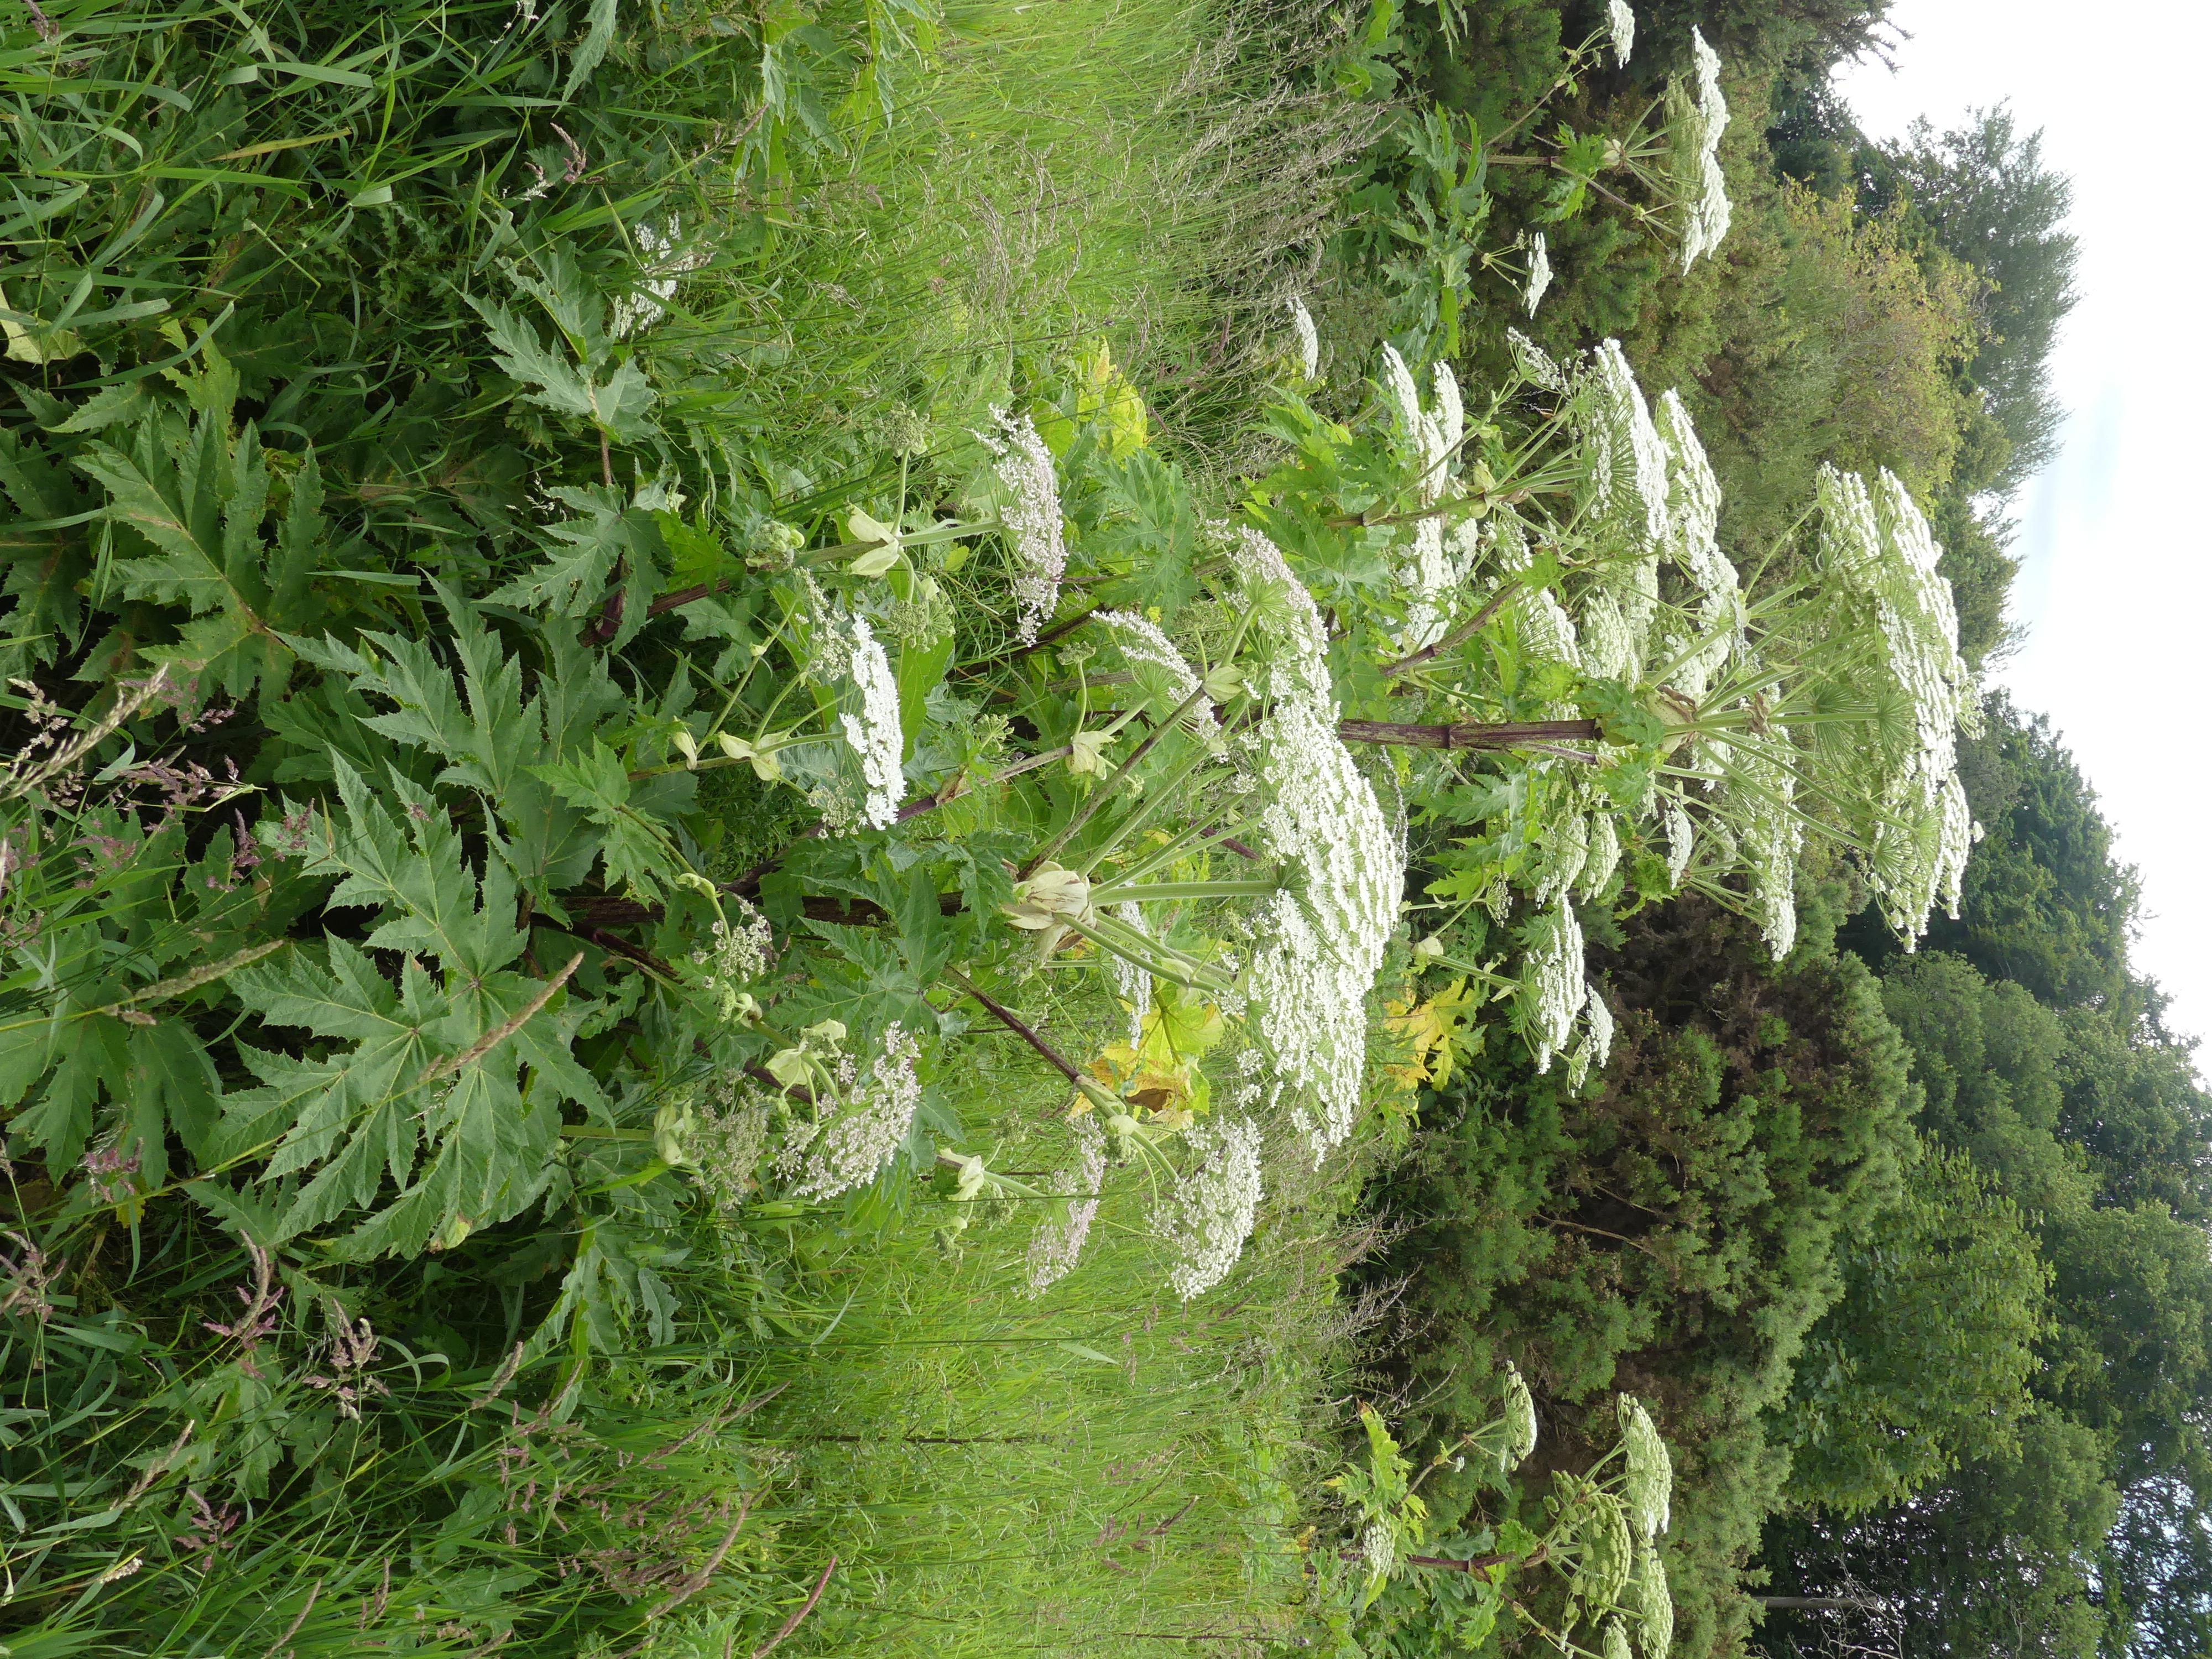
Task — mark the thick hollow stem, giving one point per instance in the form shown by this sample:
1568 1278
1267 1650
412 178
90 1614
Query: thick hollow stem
1121 774
1013 1023
1460 635
1480 1565
1141 891
1471 734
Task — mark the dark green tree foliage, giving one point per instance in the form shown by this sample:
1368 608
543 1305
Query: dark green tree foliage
1974 559
1926 1359
1987 198
1810 130
1989 1563
2082 1117
1491 64
1672 1233
2159 1562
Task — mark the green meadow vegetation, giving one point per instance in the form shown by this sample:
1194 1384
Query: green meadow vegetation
946 827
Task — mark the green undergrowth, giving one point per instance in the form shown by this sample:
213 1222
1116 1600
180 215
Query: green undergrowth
1144 172
253 255
998 1472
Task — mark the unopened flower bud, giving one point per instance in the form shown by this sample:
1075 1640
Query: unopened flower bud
879 560
1048 896
1087 753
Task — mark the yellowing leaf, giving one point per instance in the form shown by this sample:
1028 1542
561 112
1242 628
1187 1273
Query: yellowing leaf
1107 396
1433 1031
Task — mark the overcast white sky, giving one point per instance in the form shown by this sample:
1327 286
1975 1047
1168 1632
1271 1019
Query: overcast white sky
2116 589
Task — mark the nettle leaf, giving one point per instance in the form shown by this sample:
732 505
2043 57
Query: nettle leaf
423 877
410 674
491 736
495 1146
468 1068
616 406
869 983
95 1058
636 856
352 1111
200 502
608 541
172 1084
27 1047
43 565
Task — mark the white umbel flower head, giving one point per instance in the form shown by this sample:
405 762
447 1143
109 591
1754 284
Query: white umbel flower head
1209 1216
1288 622
1132 984
860 1124
1611 649
1693 501
1693 509
1654 1603
1160 669
1554 983
1032 517
1696 143
1631 458
743 948
1564 848
1620 23
1450 419
1540 273
1616 1641
1058 1244
1428 436
1604 856
1546 631
666 259
1405 395
1955 839
1596 1048
1760 789
874 733
1308 337
1320 938
1519 1438
1424 579
1535 364
1879 554
1650 1483
1681 838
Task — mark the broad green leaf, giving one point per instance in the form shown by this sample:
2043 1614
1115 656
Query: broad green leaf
617 405
94 1060
420 875
172 1085
598 35
586 551
636 857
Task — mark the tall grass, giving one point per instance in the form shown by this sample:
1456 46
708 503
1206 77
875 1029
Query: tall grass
998 1472
1150 172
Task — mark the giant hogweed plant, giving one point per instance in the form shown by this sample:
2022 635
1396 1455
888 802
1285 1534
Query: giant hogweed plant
1579 1569
548 970
1612 711
1420 222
